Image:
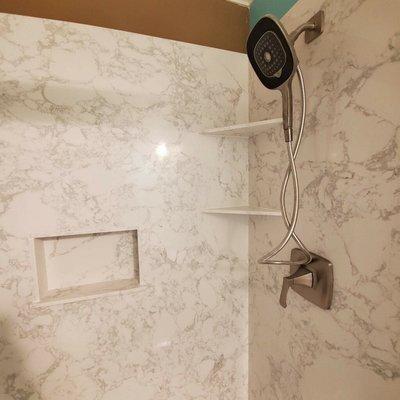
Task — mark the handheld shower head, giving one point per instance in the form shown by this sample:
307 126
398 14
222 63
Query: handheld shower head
273 58
271 53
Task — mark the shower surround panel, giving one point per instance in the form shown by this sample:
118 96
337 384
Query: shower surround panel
349 175
98 134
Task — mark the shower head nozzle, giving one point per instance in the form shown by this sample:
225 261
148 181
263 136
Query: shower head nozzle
271 52
272 56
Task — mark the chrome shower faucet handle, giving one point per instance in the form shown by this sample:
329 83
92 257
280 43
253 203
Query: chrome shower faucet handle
313 281
302 277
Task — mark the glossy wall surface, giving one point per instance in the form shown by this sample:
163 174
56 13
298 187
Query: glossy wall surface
349 176
98 133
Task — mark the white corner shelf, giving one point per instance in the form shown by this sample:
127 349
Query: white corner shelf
244 210
243 130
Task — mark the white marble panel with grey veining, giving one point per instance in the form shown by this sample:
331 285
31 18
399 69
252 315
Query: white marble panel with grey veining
98 133
349 174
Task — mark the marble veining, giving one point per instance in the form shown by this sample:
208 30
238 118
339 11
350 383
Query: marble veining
349 176
98 132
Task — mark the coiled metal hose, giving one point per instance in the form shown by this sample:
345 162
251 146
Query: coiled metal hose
291 170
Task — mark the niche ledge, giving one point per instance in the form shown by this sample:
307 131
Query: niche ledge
78 267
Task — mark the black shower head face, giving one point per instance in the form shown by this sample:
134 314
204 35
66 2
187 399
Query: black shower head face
270 52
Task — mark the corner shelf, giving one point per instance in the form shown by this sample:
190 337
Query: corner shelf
244 210
243 130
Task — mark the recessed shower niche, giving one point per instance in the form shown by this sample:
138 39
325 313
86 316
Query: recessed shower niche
77 267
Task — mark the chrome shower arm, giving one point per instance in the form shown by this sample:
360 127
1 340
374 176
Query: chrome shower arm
313 28
308 26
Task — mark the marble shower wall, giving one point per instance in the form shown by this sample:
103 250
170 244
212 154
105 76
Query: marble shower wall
349 176
98 133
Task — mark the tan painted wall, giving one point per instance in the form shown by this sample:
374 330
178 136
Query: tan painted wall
214 23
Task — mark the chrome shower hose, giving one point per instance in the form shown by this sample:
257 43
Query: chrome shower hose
291 225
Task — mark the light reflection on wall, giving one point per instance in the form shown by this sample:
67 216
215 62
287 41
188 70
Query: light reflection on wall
162 150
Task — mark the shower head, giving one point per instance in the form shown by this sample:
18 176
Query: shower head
272 56
271 53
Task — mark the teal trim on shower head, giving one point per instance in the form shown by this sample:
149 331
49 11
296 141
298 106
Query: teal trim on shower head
259 8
